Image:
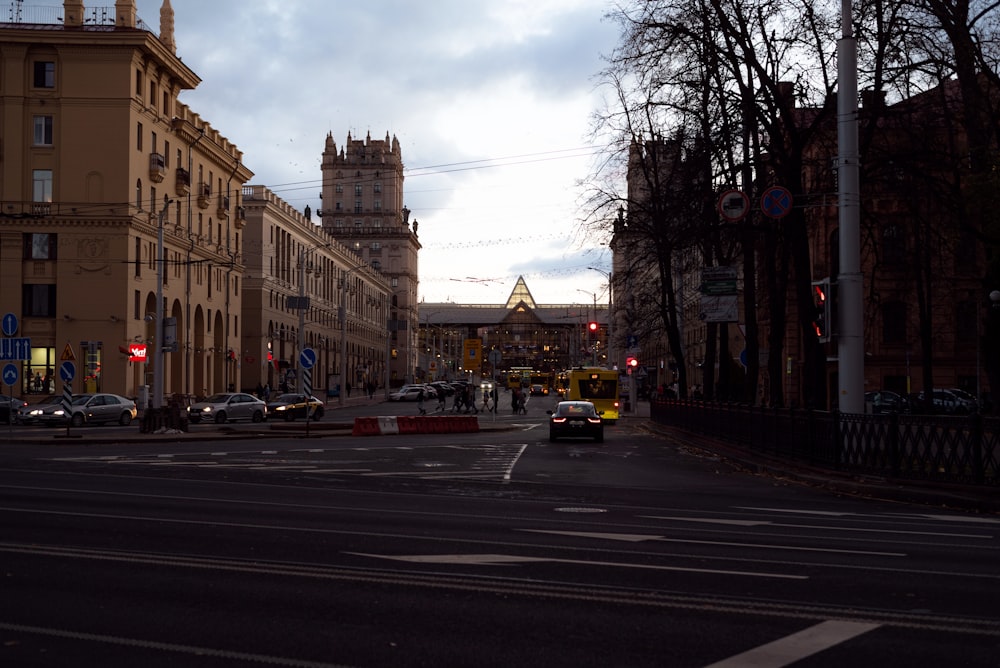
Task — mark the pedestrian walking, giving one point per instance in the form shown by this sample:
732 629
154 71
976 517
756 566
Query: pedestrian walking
420 402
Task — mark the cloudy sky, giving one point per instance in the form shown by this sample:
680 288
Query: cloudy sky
491 102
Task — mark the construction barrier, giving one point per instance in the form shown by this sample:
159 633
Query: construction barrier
388 424
415 424
366 426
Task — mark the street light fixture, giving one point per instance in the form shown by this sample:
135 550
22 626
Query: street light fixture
158 327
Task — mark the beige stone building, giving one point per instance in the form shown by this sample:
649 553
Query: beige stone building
342 317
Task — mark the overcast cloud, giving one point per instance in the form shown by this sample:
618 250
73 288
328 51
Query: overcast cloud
490 101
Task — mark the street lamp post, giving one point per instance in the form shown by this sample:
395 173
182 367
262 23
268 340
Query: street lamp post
611 316
158 328
343 334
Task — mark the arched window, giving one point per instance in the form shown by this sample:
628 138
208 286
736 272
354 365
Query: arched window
138 194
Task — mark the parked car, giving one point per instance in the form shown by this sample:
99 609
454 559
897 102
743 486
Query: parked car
227 406
101 408
575 419
411 393
952 401
10 408
887 401
292 406
46 411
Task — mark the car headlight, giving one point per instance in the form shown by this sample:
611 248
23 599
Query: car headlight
59 412
281 408
206 409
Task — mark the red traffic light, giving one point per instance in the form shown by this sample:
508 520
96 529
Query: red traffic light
631 362
592 327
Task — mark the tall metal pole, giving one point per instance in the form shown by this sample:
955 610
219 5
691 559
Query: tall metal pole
850 326
343 336
158 327
302 313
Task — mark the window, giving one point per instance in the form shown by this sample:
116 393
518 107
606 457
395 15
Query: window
45 74
138 83
138 257
358 190
893 245
38 300
358 206
378 205
377 265
41 185
40 246
138 136
894 322
43 131
138 194
378 186
339 188
376 246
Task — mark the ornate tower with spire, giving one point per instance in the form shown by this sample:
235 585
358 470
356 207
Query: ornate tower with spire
363 208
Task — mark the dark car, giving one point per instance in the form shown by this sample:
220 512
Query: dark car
887 401
10 408
577 419
292 406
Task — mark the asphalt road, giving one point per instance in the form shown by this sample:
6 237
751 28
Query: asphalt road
488 549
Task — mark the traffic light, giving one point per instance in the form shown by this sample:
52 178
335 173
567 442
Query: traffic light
822 304
631 362
592 328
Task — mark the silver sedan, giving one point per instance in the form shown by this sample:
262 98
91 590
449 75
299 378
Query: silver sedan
227 406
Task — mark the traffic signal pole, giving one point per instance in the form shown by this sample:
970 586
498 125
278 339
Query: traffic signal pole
850 342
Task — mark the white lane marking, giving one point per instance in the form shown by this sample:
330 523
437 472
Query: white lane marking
822 527
193 650
506 474
637 538
495 559
928 516
797 646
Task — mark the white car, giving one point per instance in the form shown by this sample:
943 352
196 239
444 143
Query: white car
99 408
227 406
412 393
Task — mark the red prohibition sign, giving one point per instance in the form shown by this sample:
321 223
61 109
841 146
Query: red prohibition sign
776 202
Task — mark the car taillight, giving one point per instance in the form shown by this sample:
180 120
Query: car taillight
594 420
560 420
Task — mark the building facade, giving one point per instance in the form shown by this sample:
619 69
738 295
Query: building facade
363 208
304 289
99 157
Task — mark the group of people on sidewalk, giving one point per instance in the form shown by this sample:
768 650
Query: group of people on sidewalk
465 400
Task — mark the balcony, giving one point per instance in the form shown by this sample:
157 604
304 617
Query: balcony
157 167
223 211
204 196
241 218
183 182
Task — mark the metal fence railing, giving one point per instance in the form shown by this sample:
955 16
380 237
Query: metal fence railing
961 450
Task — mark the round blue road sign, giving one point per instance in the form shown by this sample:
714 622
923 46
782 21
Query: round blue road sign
776 202
307 358
9 324
66 371
10 374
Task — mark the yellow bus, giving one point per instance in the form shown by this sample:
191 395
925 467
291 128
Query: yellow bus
597 385
519 376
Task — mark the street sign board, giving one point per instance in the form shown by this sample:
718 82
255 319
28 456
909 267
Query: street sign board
67 354
67 370
307 358
9 324
10 374
776 202
723 308
15 349
495 357
733 205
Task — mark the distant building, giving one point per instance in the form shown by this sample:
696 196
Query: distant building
363 208
517 333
